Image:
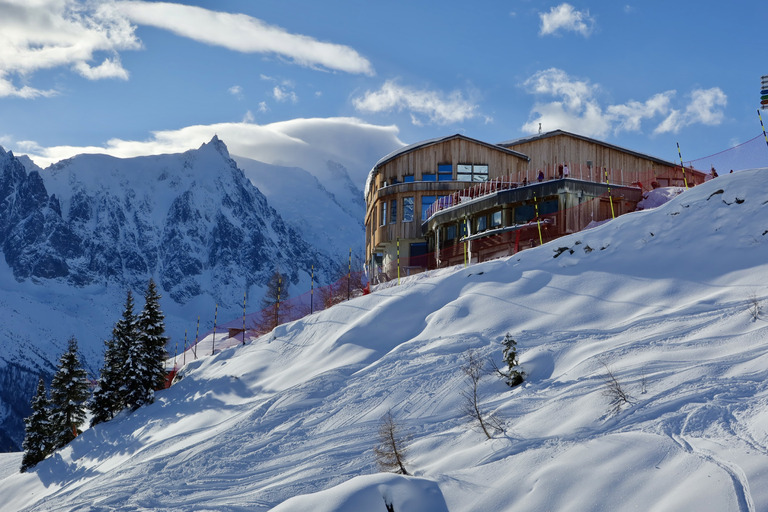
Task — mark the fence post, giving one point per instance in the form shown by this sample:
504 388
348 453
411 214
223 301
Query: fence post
197 335
398 261
215 314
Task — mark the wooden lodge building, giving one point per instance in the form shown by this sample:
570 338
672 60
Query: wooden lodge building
455 199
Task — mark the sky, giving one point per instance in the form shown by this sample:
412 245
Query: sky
131 78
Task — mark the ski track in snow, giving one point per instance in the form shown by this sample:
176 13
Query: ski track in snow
297 411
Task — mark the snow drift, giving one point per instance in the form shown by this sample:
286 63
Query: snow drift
669 300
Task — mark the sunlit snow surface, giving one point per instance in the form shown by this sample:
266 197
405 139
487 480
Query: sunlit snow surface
665 298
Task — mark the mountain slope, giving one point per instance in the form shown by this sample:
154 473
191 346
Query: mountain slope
664 298
75 236
335 224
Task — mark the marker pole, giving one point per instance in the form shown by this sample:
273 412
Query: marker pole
681 165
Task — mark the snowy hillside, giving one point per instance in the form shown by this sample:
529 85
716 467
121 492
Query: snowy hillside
664 298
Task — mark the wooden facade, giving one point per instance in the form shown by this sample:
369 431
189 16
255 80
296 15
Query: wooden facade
590 159
413 174
419 173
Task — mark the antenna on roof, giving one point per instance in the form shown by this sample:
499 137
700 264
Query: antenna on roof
539 128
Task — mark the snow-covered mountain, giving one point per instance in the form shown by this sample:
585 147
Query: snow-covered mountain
671 300
76 235
332 220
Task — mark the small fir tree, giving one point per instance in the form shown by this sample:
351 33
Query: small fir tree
513 375
69 391
145 366
109 397
37 443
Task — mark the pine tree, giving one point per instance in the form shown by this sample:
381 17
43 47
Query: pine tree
69 391
274 307
514 376
37 443
145 367
109 397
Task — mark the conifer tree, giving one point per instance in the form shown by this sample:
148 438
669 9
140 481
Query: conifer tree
69 391
514 376
145 367
274 307
37 443
109 397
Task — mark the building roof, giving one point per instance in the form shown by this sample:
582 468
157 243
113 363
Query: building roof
555 133
429 142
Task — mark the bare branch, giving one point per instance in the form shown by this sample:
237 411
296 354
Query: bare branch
617 396
390 453
474 370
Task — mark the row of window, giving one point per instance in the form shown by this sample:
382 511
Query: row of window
522 213
464 172
389 210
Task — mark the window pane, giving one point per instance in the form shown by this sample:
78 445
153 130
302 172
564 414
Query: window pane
408 179
481 223
464 177
444 172
393 211
524 213
407 209
426 202
383 213
496 219
428 177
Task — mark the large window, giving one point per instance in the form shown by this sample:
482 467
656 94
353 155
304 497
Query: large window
468 172
393 211
444 172
426 202
496 219
481 224
450 233
524 213
408 209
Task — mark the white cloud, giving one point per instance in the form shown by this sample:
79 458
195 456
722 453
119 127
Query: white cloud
248 117
439 108
566 17
46 34
576 107
306 143
629 115
110 68
246 34
236 91
281 94
263 106
705 107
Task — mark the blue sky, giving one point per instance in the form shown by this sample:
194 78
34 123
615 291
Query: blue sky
133 77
